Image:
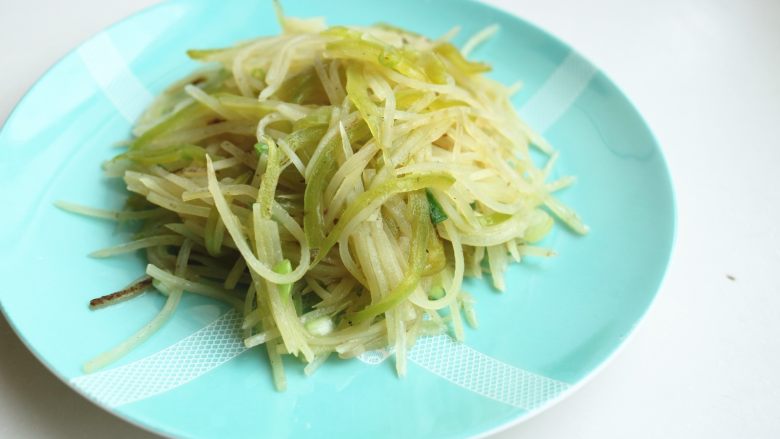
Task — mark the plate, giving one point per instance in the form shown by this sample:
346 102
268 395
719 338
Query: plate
560 320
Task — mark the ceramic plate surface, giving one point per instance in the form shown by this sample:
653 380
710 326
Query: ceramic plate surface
560 319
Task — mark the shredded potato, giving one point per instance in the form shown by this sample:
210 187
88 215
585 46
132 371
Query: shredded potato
335 185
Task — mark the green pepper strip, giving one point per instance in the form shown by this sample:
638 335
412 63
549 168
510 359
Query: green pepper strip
353 46
453 55
375 197
318 117
265 195
166 155
421 228
357 90
181 117
313 221
305 140
303 88
214 233
247 108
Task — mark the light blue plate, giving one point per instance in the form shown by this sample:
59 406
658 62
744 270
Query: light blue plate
558 322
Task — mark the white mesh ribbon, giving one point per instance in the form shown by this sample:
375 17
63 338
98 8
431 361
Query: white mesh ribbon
484 375
178 364
220 341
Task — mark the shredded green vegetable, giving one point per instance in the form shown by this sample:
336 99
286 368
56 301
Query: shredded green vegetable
336 184
435 211
261 148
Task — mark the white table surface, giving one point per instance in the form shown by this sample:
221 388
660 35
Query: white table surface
706 75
